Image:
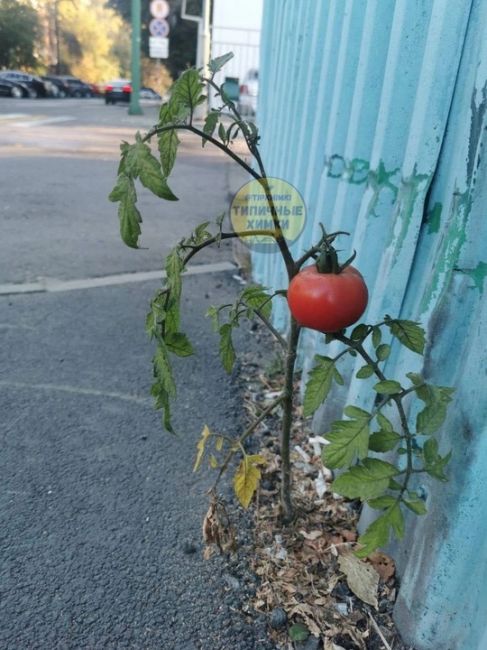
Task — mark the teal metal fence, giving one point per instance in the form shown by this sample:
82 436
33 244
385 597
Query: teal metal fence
376 110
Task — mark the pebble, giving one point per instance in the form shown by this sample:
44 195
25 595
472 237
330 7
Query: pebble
189 547
278 618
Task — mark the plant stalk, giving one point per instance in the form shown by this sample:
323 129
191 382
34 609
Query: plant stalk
287 419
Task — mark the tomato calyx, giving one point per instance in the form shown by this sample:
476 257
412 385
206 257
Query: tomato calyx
327 260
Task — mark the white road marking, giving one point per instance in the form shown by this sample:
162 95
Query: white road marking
12 116
144 401
52 285
47 120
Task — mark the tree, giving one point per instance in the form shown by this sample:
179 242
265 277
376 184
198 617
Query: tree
19 29
94 40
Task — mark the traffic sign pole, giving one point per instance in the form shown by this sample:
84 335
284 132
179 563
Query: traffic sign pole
134 107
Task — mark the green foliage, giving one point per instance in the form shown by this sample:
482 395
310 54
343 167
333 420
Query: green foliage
383 485
408 332
19 31
319 383
378 533
348 441
368 480
216 64
128 214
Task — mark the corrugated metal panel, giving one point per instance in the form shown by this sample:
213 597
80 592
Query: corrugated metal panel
377 112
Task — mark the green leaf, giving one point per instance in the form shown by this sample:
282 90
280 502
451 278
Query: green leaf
365 372
409 333
434 464
122 187
337 377
216 64
356 412
365 481
384 423
378 533
129 217
436 398
210 124
174 268
318 385
227 351
140 163
179 344
187 91
168 142
222 134
162 402
298 632
383 502
157 314
388 387
383 351
162 369
359 333
382 441
418 506
376 336
348 441
256 297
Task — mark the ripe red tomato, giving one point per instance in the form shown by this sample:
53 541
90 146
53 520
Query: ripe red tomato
327 302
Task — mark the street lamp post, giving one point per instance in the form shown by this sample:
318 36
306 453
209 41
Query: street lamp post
134 107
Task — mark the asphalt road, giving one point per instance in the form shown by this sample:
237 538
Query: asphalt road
98 505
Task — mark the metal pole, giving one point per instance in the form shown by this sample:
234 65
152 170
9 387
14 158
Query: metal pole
134 108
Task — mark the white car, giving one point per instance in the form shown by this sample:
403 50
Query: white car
249 91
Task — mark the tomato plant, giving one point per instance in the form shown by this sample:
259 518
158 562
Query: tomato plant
326 296
327 302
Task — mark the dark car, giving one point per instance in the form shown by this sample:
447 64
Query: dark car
37 88
76 87
61 86
12 89
121 89
118 91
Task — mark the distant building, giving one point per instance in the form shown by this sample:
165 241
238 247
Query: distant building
236 27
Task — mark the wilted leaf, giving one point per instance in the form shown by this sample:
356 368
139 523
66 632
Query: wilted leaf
205 434
179 344
246 480
216 64
362 578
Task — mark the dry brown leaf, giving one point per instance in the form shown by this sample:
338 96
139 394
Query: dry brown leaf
362 578
383 564
314 534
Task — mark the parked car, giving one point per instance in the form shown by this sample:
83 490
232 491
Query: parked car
57 82
249 91
121 89
76 87
37 87
13 89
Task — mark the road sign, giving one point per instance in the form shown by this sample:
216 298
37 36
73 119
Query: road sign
159 27
159 8
158 47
